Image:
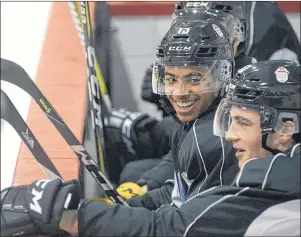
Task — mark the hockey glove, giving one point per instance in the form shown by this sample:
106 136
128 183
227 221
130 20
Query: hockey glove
129 189
104 200
37 208
127 130
147 93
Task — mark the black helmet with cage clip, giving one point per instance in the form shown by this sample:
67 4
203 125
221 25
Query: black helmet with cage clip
239 26
273 89
202 44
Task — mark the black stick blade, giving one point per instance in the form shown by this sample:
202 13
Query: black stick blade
11 115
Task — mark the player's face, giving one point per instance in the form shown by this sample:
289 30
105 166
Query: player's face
184 89
245 134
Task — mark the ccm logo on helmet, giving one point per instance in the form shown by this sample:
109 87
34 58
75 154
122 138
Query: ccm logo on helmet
179 48
197 4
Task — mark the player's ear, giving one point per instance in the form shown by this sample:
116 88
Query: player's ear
287 131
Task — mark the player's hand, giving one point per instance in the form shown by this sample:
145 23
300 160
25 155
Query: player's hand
126 128
37 208
129 189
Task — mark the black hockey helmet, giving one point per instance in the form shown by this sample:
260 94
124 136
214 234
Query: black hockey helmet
237 9
273 88
234 8
202 43
231 23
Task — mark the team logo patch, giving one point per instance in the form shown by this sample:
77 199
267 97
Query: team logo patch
217 30
281 74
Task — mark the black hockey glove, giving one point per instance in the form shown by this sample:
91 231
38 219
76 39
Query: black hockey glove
243 60
37 208
147 93
147 90
128 129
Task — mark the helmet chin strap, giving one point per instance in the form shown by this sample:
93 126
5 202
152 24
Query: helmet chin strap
266 147
168 108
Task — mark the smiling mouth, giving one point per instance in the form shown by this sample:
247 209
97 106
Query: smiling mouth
185 104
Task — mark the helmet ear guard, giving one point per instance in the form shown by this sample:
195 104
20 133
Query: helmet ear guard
281 127
284 128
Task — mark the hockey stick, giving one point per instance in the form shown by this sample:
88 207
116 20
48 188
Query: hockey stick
11 115
15 74
98 96
84 29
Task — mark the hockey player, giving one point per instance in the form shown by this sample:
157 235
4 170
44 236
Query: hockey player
166 168
260 117
275 39
189 151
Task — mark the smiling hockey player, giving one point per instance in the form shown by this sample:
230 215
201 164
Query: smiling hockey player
207 41
155 178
